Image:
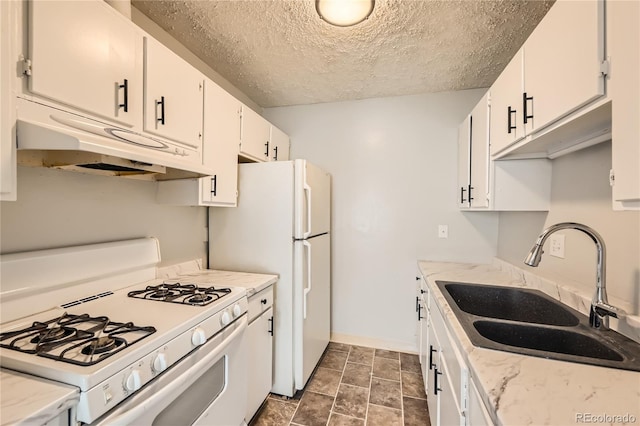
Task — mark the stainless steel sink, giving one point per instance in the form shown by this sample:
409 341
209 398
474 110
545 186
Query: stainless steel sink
529 322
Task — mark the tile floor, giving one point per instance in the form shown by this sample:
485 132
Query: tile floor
354 385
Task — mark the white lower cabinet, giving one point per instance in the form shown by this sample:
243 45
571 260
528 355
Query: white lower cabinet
452 397
7 147
260 342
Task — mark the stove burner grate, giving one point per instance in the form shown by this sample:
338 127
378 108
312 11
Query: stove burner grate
76 339
186 294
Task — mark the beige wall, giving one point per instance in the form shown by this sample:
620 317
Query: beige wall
581 193
393 166
60 208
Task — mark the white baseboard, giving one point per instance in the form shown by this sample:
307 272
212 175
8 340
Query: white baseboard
374 343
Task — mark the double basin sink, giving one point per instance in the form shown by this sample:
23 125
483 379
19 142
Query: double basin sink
529 322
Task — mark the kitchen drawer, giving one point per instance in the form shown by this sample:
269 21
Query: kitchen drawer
260 302
455 366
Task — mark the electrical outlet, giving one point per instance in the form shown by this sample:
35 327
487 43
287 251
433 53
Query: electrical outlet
556 245
443 231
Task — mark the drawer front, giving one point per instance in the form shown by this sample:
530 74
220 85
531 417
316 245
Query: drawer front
260 302
456 369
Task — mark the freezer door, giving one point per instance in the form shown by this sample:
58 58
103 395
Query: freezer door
311 319
312 200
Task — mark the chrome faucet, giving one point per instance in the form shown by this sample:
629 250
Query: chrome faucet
601 310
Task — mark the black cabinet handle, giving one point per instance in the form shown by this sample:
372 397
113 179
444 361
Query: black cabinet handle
266 152
422 291
431 351
263 301
470 197
275 153
509 126
271 326
436 388
125 95
417 278
417 303
525 99
161 103
419 312
214 185
462 191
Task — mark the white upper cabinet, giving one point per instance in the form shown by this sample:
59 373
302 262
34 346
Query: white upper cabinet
88 56
507 124
173 95
562 62
623 36
278 145
559 70
479 154
255 135
221 145
464 158
7 145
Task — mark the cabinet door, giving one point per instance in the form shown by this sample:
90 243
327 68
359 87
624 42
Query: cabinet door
173 96
255 134
507 126
260 357
449 413
477 414
220 145
433 370
479 162
86 55
562 60
279 145
7 138
623 35
464 157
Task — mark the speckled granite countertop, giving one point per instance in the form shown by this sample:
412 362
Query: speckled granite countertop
28 400
524 390
193 271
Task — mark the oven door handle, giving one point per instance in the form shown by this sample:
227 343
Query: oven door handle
131 415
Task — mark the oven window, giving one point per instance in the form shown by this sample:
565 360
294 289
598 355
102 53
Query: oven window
185 409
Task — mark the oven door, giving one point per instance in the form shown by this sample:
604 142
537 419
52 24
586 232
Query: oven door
208 387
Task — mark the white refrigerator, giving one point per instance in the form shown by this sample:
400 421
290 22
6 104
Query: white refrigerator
281 226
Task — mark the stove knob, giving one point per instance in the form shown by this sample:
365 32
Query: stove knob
225 318
237 310
133 382
198 337
159 363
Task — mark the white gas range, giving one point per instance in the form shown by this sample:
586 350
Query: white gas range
137 352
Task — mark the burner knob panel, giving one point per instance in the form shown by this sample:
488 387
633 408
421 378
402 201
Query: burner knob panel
198 337
159 363
237 310
132 382
225 318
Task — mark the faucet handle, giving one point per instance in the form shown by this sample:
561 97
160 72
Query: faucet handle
600 313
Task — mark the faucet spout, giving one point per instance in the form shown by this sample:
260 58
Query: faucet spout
601 310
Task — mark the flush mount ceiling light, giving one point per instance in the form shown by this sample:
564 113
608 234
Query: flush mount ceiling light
344 13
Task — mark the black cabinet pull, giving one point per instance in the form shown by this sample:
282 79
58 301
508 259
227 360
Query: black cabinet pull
263 301
161 103
525 99
417 278
125 95
470 197
417 303
266 152
462 191
275 153
214 185
422 291
271 326
436 388
419 312
431 351
509 126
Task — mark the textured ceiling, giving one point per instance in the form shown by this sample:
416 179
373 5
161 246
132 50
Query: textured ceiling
280 52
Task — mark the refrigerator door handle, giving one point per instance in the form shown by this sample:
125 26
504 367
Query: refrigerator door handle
307 188
307 289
